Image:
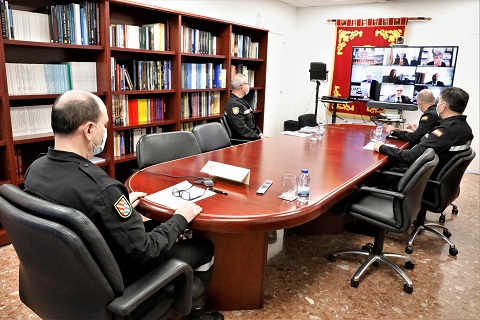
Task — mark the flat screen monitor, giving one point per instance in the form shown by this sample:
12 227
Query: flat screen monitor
388 73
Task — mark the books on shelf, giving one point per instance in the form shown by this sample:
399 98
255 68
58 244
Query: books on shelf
242 46
202 76
149 36
127 111
125 141
140 75
70 24
252 98
27 120
28 79
199 104
198 41
241 68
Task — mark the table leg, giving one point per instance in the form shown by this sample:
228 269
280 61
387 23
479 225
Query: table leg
238 280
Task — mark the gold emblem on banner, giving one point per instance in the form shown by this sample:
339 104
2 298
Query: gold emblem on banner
344 36
389 35
342 106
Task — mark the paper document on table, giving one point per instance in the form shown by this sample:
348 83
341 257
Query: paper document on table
308 129
369 146
295 133
167 199
227 171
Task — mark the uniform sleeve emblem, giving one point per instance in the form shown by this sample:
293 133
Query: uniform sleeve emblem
437 132
236 110
424 118
123 207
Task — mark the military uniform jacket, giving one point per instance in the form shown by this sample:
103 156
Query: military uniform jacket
68 179
428 121
451 136
240 118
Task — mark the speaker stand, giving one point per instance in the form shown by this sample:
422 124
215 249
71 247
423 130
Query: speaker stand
316 98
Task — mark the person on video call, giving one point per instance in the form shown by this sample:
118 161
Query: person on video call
368 78
435 81
392 77
66 176
437 60
401 59
238 111
429 119
398 96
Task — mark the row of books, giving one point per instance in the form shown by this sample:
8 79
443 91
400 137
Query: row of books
203 76
27 79
198 41
70 23
199 104
27 120
188 126
125 141
129 111
243 47
149 36
141 75
241 68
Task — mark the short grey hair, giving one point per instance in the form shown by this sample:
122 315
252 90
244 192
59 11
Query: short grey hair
237 80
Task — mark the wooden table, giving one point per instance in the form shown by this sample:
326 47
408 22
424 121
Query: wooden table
238 223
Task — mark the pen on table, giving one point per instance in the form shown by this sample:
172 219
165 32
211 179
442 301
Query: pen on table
218 191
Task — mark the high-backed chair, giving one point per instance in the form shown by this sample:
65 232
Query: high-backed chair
67 271
307 120
390 210
211 136
439 193
166 146
224 122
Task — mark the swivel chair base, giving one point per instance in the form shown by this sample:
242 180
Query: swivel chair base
375 254
420 225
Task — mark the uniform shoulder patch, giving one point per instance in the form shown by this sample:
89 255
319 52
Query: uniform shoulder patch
123 207
424 118
437 132
236 110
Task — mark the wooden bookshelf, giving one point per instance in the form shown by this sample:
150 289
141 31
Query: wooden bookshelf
121 12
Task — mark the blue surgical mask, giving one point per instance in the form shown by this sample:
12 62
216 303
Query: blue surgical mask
99 149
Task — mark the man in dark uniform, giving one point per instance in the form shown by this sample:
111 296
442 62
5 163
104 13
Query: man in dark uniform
66 176
238 111
428 120
452 135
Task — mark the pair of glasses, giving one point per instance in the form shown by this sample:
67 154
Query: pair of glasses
399 90
185 194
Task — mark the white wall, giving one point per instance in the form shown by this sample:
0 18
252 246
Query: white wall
303 35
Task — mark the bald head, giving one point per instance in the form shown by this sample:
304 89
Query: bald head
74 108
425 99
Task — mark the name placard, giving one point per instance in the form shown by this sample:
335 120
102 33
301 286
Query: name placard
227 171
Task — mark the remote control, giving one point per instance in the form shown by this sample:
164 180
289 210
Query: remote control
264 186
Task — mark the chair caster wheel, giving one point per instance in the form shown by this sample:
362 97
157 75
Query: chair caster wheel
368 247
408 249
332 258
407 289
455 210
453 251
409 265
354 283
447 233
375 264
441 218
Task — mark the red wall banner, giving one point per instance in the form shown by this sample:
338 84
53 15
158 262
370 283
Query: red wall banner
360 32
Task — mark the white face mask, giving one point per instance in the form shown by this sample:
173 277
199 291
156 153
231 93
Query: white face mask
248 89
99 149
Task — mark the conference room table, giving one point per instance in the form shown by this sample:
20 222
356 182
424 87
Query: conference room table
239 223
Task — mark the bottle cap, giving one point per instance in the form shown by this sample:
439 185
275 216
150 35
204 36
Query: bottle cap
304 170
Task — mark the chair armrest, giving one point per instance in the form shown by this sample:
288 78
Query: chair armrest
139 291
238 141
380 191
392 173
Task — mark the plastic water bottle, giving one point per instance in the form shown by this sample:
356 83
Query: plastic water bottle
378 132
303 190
320 130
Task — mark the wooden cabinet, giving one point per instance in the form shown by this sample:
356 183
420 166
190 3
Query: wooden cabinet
18 151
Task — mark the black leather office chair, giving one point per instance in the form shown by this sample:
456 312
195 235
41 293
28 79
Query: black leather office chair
390 211
439 194
211 136
307 120
224 122
166 146
67 271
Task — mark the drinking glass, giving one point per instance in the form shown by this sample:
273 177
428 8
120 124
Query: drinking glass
373 137
289 186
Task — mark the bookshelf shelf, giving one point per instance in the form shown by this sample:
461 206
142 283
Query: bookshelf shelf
17 153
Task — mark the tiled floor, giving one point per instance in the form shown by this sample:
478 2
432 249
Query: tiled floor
302 284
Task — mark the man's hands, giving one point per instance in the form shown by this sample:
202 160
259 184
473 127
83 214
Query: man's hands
189 211
135 197
377 145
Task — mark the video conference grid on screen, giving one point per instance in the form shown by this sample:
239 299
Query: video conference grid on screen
387 73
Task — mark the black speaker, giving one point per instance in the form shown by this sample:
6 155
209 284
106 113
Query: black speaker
318 71
375 90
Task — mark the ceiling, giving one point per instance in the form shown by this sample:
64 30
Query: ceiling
318 3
